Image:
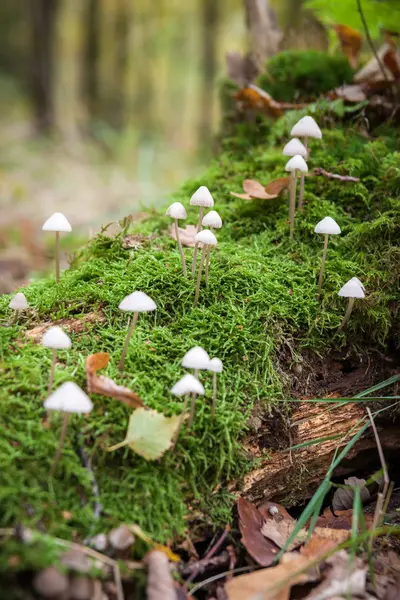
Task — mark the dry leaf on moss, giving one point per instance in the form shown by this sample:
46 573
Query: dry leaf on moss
99 384
263 551
350 42
277 186
256 190
186 235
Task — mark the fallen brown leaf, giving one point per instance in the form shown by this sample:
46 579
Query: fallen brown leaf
347 578
280 531
99 384
317 546
263 551
273 583
277 186
242 196
69 325
186 235
335 535
256 190
343 497
350 42
349 93
391 60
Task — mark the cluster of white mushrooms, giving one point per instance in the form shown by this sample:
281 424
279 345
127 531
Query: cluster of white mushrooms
203 199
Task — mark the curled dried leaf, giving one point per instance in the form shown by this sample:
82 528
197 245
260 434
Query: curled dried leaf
280 531
99 384
263 551
186 235
277 186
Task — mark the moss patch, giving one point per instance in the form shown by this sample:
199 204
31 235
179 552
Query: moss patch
262 295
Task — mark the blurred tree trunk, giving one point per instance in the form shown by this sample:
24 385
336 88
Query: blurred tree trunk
90 74
210 13
265 35
43 20
122 31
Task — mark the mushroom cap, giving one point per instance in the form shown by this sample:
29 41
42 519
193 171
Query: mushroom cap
212 219
295 147
206 237
352 289
306 127
196 358
176 211
57 222
18 302
327 226
202 197
137 302
215 365
296 162
56 338
359 282
187 384
69 398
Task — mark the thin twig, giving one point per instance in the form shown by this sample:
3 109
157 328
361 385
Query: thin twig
208 556
370 42
328 175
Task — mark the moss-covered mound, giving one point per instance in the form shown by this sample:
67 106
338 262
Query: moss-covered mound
261 298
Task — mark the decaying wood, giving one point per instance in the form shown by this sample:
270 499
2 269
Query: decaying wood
295 475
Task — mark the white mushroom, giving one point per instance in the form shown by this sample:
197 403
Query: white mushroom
56 339
305 128
57 222
18 302
213 221
197 359
208 239
352 289
177 211
187 385
136 302
215 367
327 226
202 198
295 147
68 398
296 163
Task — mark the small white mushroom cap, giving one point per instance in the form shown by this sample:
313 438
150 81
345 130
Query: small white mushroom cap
57 222
137 302
56 338
202 197
352 289
296 162
196 358
327 226
176 211
212 219
18 302
187 384
121 537
215 365
306 127
295 147
359 282
69 398
206 237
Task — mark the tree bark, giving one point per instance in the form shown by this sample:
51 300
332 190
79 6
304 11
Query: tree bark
90 74
210 12
294 476
43 19
265 35
122 28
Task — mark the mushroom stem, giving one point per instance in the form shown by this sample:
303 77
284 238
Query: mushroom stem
52 368
128 337
178 239
214 400
57 256
61 441
292 201
193 401
183 413
203 255
321 273
301 191
348 313
196 246
208 260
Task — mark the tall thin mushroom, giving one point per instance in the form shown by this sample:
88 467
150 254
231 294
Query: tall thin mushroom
202 198
136 302
213 221
187 385
56 339
305 128
57 223
293 147
327 226
208 239
197 359
177 211
215 367
296 163
68 398
352 289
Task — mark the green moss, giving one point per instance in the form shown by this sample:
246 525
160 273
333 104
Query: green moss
262 296
301 75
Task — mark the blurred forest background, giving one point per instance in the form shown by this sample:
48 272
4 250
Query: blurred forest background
106 105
